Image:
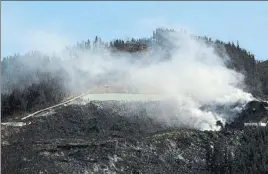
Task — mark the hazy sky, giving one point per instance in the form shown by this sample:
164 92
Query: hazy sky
24 24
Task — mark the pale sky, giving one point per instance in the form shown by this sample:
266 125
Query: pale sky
25 24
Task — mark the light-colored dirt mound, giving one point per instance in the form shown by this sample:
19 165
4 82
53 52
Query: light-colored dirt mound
111 89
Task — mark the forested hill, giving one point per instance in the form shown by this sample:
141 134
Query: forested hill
263 75
27 89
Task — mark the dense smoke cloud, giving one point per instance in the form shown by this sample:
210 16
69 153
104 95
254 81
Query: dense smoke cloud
202 89
195 76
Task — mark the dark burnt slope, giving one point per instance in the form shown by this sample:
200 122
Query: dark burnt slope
92 139
89 121
74 132
78 137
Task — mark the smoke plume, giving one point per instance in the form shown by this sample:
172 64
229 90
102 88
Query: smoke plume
202 89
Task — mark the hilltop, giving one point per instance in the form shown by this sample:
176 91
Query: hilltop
94 138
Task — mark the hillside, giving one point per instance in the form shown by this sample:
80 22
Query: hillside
26 89
263 69
124 137
96 139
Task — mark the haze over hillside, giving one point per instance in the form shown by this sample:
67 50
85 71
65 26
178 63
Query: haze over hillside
195 71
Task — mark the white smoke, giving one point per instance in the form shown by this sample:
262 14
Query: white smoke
195 76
